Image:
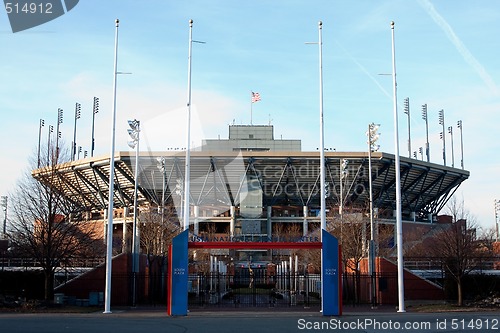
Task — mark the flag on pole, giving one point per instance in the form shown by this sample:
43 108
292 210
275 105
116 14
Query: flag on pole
255 97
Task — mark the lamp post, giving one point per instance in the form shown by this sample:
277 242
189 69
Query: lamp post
372 139
407 111
134 143
399 222
78 110
94 111
450 130
424 117
42 123
442 134
109 241
3 202
459 125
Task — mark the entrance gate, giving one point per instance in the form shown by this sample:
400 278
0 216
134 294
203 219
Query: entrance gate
258 284
254 286
240 290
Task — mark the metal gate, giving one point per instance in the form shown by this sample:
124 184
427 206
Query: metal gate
245 289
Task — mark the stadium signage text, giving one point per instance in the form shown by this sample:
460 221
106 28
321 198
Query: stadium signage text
263 239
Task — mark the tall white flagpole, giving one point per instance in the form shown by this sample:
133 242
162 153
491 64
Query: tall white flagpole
187 170
399 222
251 107
321 152
322 130
109 249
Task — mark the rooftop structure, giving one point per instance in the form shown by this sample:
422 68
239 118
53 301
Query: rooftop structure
250 181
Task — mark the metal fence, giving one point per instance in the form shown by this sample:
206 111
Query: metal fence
258 290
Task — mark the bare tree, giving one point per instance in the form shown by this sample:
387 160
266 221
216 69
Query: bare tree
157 232
351 231
457 245
42 227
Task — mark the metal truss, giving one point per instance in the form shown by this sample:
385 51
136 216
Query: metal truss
285 180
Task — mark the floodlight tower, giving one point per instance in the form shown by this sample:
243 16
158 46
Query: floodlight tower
424 117
134 143
450 130
51 130
58 133
78 110
94 111
459 125
497 217
372 147
42 123
407 111
442 134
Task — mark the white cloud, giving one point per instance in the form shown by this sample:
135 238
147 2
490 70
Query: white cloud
459 45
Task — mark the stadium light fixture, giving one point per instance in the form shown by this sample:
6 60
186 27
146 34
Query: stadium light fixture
450 130
424 117
459 125
407 111
497 216
134 134
42 123
78 110
58 133
372 139
51 130
442 135
94 112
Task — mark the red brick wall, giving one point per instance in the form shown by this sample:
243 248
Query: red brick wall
415 287
94 281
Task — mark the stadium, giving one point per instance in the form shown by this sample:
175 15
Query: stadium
250 187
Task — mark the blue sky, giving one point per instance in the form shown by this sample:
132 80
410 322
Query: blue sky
446 51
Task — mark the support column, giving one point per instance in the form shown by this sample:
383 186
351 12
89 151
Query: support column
269 224
232 211
196 226
305 225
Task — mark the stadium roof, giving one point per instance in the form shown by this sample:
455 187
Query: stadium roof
285 179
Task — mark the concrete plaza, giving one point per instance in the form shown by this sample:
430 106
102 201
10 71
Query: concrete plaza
147 320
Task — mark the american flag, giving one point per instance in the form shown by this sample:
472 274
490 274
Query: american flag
255 97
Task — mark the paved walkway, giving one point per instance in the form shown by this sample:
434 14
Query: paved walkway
155 320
